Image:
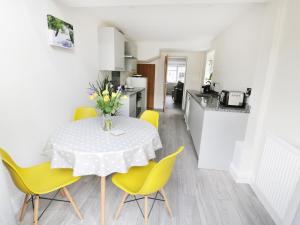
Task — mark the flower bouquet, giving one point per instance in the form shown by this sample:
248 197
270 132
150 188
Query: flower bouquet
108 101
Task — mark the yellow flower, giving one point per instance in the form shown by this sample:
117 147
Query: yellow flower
95 94
106 98
114 94
105 92
91 97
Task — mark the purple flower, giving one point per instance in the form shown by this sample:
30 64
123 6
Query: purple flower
90 92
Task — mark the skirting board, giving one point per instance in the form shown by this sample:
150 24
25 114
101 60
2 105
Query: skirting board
240 176
248 178
266 204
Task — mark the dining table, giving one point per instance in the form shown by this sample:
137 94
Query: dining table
85 147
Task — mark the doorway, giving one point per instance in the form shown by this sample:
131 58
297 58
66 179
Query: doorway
175 72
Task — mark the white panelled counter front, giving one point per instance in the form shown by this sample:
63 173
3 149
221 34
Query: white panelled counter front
214 130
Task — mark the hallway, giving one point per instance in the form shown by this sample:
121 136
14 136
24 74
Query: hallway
170 104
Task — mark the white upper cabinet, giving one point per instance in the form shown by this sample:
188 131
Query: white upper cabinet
130 56
111 49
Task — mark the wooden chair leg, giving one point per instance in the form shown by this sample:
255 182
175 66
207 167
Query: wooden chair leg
146 210
162 191
24 207
69 197
62 193
121 205
36 210
102 200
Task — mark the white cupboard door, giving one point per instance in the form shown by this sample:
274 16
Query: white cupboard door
119 51
106 48
143 101
132 105
195 121
124 109
111 49
187 110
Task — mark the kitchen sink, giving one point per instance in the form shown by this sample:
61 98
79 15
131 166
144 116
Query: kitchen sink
203 95
212 94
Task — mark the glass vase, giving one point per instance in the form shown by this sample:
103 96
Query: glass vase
107 122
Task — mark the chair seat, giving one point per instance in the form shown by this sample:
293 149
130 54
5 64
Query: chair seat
41 179
132 181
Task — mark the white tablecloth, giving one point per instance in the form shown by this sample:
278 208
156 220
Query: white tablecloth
85 147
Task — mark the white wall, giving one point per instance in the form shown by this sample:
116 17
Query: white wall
6 212
158 86
297 217
236 51
194 72
275 81
40 85
280 114
149 49
262 97
283 111
242 54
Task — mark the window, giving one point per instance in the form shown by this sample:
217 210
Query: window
176 70
209 67
172 74
181 73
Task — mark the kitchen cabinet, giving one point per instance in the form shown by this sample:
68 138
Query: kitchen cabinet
111 49
214 132
134 104
195 123
143 101
187 110
130 56
128 107
139 84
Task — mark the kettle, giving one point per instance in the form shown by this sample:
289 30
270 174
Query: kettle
206 88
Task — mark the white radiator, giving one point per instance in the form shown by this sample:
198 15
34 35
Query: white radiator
278 174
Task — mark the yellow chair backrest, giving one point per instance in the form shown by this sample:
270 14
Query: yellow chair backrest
15 171
151 117
160 174
84 113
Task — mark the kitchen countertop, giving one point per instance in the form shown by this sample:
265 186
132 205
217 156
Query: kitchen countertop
132 91
211 104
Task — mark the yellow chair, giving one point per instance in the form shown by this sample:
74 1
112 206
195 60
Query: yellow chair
151 117
38 180
84 113
144 181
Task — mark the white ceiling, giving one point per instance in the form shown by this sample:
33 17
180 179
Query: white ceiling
106 3
167 20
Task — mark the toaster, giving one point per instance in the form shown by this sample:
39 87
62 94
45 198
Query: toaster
233 99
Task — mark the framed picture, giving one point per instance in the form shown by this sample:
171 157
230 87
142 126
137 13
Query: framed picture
61 33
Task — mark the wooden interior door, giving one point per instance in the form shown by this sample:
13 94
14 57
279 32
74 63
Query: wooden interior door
148 70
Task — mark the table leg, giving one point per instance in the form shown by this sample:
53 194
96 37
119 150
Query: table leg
102 201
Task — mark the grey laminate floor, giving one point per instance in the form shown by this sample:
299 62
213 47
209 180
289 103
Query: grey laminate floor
197 197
